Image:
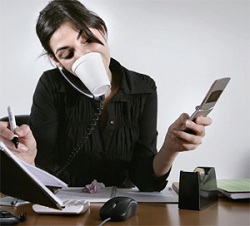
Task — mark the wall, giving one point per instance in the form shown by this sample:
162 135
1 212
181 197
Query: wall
184 45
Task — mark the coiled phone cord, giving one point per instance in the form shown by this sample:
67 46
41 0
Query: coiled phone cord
85 137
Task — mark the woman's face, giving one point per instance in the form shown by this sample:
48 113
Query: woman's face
68 44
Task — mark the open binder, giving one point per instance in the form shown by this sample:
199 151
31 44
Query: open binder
20 180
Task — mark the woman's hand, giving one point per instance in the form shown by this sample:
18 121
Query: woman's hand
27 144
177 141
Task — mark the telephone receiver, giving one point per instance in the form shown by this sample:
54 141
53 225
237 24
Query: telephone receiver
78 85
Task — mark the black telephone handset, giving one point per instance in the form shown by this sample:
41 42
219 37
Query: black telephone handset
209 101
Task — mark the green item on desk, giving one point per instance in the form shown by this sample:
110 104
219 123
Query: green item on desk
234 185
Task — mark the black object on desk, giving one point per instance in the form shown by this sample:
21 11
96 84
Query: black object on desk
118 209
198 190
6 218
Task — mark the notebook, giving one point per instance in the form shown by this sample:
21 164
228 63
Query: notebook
234 188
26 182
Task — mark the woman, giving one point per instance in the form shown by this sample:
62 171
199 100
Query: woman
80 139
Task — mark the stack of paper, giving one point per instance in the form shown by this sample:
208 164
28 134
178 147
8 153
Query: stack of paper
234 188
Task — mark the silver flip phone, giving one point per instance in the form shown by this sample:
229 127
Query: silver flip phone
209 101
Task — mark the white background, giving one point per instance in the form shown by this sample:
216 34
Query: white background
184 45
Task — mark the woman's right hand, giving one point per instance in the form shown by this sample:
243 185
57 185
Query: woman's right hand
27 144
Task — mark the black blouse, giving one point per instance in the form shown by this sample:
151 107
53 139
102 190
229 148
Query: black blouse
121 153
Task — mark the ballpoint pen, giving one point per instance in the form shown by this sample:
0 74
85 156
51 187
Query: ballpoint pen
12 121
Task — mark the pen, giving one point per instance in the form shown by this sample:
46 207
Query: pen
12 121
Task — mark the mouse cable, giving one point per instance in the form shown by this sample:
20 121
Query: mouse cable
103 222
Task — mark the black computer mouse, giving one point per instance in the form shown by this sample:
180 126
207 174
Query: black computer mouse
118 208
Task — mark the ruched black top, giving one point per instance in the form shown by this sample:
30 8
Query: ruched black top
119 153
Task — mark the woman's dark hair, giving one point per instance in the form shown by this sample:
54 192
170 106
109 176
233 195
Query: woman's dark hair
58 12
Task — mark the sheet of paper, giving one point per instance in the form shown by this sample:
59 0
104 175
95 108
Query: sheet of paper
44 177
102 195
168 195
11 201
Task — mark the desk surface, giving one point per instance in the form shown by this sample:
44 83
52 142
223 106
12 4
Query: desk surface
224 212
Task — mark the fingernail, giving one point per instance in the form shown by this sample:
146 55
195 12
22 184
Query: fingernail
188 123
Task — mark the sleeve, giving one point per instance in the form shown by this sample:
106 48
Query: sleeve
141 171
44 122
